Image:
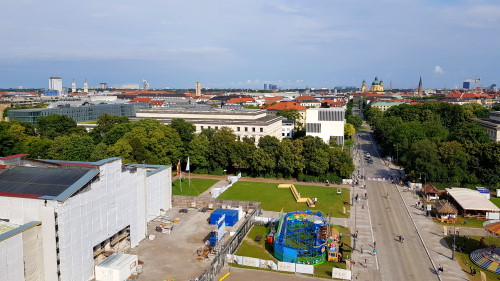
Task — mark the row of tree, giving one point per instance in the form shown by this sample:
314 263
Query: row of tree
149 141
436 142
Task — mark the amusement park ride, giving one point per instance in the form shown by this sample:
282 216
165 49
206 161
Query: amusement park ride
307 238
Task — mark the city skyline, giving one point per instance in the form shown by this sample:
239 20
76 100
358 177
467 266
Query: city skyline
247 44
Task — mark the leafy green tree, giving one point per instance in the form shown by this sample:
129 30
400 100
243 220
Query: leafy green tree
349 130
100 152
37 147
55 125
341 163
106 123
454 159
423 158
222 147
355 120
198 151
185 129
239 157
122 149
315 155
116 133
261 162
291 160
468 132
73 148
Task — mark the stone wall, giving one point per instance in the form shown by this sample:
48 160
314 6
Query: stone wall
201 202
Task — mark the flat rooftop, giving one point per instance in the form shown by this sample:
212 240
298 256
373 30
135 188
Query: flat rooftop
7 226
43 183
470 199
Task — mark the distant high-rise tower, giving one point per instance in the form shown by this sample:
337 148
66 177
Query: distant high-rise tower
146 85
73 86
266 87
420 92
363 86
198 89
55 84
85 86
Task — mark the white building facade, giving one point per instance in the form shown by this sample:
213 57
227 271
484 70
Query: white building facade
326 123
55 84
107 207
244 123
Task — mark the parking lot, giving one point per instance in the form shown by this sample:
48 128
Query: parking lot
174 255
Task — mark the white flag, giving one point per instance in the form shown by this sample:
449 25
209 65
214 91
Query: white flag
187 166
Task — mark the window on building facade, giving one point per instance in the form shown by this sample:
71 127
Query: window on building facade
261 130
253 129
238 129
246 129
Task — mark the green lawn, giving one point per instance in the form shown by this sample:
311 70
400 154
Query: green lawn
197 186
471 245
495 201
275 199
264 250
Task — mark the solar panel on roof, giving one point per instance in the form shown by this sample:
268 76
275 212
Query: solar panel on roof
38 181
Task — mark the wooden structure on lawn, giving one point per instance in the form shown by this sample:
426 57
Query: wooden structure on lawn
431 193
445 211
297 196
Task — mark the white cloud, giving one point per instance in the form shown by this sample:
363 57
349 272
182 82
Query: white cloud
438 69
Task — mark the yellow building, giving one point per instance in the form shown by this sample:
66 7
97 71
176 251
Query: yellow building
377 86
363 86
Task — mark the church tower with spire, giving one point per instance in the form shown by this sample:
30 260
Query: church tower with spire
420 91
85 86
73 86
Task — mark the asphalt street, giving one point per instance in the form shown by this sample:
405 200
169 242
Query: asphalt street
406 260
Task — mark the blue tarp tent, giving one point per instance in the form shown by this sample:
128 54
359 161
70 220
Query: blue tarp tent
231 216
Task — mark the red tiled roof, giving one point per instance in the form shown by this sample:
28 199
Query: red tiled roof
286 105
240 100
141 92
140 100
460 95
13 156
3 167
272 99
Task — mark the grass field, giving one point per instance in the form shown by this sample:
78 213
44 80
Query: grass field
471 245
273 198
495 201
197 187
264 250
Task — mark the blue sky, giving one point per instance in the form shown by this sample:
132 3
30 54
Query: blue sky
246 43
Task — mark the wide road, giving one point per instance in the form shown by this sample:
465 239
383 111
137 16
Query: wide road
398 261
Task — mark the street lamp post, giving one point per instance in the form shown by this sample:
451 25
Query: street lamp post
425 177
454 244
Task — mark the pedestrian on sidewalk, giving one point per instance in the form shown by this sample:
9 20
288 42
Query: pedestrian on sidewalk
471 270
374 244
366 263
374 252
361 250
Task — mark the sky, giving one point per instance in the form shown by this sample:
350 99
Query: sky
246 43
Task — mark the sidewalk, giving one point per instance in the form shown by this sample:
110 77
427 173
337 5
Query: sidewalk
360 221
432 234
